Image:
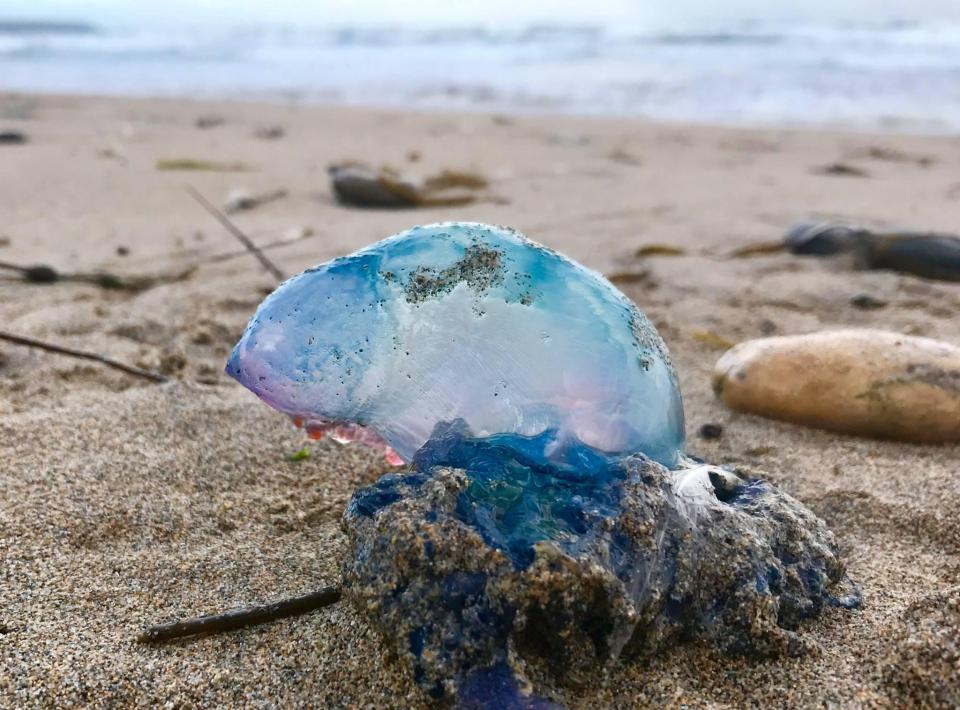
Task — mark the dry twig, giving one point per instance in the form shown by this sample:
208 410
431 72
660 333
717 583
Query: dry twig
103 360
241 618
235 231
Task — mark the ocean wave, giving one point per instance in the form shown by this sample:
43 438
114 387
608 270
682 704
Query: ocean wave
766 73
716 38
40 27
72 36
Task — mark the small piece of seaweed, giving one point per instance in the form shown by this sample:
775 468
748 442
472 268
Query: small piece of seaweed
301 455
203 165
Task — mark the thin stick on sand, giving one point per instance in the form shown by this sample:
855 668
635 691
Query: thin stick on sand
225 256
241 618
83 355
235 231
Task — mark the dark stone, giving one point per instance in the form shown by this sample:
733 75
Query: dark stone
866 302
361 186
41 274
710 431
932 256
842 170
926 254
12 138
270 133
209 121
820 239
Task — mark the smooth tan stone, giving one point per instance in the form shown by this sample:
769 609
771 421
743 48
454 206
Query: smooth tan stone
868 382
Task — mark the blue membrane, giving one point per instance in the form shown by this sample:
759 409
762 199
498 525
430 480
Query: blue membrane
463 321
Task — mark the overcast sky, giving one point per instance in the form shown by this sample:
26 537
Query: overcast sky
634 13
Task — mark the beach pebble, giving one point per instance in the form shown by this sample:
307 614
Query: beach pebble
360 185
269 133
12 138
710 431
841 170
928 254
866 302
867 382
209 121
819 238
239 199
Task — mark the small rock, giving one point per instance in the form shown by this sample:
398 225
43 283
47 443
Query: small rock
298 232
819 238
4 241
624 157
209 121
866 302
12 138
928 254
841 170
41 274
269 133
710 431
123 251
360 185
932 256
240 200
867 382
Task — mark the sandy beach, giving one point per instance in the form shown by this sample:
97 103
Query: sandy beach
125 503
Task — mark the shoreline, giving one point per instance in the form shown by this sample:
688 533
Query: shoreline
126 503
909 128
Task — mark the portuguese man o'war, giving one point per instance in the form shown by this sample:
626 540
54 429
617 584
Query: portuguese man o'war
548 521
462 321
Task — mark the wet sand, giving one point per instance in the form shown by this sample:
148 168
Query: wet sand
124 503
